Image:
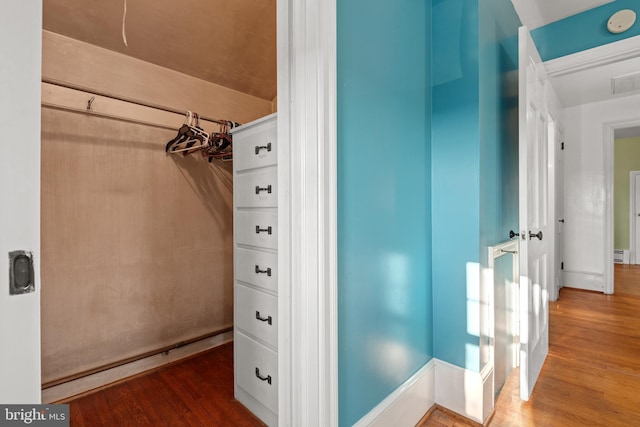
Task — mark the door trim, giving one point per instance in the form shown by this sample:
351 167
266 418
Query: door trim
307 244
594 57
20 359
591 58
632 214
609 129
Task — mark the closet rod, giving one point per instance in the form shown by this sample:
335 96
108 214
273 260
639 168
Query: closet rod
125 99
105 115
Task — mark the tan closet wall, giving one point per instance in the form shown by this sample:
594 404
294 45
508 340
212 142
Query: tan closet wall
136 245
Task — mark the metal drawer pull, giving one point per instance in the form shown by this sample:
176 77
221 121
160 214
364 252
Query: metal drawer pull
267 378
267 189
260 230
268 271
263 147
263 319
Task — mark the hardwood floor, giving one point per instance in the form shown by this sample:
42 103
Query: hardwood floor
442 417
591 377
197 392
627 280
592 374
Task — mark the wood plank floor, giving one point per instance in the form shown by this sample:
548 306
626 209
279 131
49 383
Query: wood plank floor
592 374
197 392
590 378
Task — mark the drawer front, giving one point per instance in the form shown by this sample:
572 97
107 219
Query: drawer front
256 189
257 268
257 229
256 146
254 360
257 314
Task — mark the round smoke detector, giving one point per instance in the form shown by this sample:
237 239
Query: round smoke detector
621 21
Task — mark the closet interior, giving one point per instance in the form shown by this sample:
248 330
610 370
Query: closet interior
140 105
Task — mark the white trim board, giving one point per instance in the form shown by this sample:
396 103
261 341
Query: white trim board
307 195
584 280
595 57
632 259
609 129
606 54
100 379
408 403
467 393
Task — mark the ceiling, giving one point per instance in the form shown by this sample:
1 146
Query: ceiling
593 84
230 43
536 13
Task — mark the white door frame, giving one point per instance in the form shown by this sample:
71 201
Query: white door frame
609 139
306 32
20 377
307 203
602 55
307 197
558 200
554 129
632 215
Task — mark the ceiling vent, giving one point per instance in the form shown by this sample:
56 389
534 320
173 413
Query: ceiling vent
626 83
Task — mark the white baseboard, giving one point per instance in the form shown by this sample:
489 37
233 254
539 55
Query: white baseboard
465 392
99 379
407 404
583 280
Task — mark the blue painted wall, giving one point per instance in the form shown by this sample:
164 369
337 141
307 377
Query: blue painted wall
499 136
427 177
474 162
384 195
583 31
455 171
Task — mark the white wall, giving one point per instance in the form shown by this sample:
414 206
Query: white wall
585 195
20 50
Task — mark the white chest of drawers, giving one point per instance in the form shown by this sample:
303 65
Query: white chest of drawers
255 212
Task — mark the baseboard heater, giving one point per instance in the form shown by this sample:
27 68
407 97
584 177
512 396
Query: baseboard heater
621 256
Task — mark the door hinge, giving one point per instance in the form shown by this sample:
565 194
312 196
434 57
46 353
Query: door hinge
562 266
562 145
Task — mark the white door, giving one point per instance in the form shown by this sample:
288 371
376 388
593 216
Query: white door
559 190
20 49
636 215
535 270
556 200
